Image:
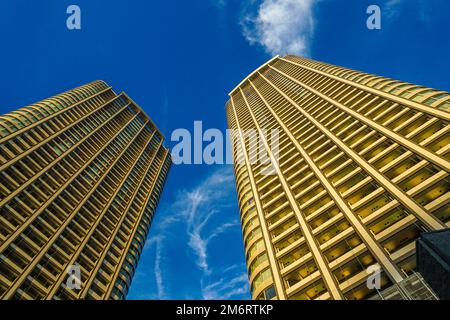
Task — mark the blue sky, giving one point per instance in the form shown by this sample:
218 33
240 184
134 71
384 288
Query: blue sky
178 60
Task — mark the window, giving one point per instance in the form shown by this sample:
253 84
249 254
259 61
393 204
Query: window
267 294
432 100
270 293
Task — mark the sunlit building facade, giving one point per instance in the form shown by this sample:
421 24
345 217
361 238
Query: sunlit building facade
361 171
81 175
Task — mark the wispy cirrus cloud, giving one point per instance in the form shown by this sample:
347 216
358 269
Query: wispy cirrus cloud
391 7
157 241
206 200
219 3
281 26
199 211
143 277
227 287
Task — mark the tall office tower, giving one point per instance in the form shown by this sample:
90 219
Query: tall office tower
81 174
361 170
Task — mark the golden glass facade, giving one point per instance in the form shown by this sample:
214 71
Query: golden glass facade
363 168
81 174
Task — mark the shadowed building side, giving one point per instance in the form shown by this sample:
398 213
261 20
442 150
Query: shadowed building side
433 261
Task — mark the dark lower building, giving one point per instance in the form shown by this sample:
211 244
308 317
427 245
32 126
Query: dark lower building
433 261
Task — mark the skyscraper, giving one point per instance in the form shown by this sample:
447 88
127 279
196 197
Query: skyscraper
81 175
361 170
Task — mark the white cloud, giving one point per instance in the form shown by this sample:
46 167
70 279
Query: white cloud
392 7
219 3
227 287
393 3
281 26
157 269
201 204
198 209
425 13
158 272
